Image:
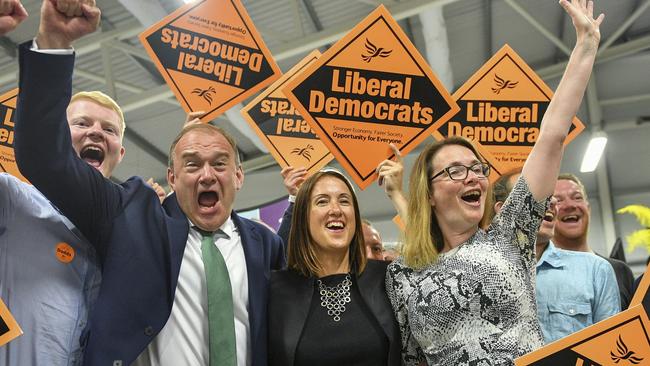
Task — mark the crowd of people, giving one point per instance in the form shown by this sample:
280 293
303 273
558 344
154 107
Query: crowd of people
182 279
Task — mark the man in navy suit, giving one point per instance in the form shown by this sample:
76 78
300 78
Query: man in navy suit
152 305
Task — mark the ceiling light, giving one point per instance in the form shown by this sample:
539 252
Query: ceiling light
594 152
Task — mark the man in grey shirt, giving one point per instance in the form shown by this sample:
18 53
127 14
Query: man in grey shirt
49 273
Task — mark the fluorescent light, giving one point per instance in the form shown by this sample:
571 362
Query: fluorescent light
188 1
594 152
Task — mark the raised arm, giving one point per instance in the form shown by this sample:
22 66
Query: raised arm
43 146
543 164
390 177
12 13
292 179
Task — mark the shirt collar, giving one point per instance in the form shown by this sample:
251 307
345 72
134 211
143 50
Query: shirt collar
226 230
552 256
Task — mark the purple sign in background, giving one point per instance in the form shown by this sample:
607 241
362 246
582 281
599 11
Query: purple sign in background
270 214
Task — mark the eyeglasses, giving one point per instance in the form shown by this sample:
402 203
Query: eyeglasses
460 172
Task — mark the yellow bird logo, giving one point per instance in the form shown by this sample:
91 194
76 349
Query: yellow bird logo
374 51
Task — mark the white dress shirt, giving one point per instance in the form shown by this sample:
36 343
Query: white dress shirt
184 338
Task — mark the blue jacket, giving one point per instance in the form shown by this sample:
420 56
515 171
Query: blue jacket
139 242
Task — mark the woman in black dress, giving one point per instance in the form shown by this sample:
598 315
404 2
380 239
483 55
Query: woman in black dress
330 306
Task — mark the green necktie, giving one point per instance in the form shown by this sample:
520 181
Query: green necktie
221 317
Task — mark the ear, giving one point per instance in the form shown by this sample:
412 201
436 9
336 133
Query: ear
239 177
431 200
171 178
498 206
122 152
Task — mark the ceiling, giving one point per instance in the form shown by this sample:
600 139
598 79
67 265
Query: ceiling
456 36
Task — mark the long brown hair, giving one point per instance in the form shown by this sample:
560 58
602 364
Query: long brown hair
423 238
301 254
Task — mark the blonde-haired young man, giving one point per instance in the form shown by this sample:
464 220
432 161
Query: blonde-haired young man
50 273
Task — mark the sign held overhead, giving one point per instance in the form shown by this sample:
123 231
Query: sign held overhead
501 107
210 55
370 89
289 138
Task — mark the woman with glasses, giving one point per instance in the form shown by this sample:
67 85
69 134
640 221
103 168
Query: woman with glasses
463 295
330 306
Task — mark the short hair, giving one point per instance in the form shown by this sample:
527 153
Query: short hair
576 180
105 101
501 188
208 128
423 236
300 248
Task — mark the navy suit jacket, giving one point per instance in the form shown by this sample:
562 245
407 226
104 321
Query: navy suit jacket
139 241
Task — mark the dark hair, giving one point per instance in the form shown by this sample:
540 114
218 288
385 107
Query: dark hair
207 128
301 254
500 190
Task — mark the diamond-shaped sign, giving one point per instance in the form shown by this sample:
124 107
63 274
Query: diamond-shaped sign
7 115
370 89
501 107
9 328
210 55
622 339
280 126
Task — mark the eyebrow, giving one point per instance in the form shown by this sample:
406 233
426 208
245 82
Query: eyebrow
195 153
456 162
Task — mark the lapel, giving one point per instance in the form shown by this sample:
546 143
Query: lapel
299 303
177 228
257 276
371 288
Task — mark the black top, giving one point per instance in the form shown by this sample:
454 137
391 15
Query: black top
624 279
356 339
290 301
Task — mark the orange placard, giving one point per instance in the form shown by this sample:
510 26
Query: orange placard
620 340
401 225
501 107
7 115
370 89
289 138
9 328
210 55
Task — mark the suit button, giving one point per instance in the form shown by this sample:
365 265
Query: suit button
148 331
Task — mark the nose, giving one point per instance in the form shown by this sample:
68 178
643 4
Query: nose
471 176
553 206
95 131
207 175
335 209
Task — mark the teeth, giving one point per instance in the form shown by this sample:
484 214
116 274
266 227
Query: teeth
572 217
335 225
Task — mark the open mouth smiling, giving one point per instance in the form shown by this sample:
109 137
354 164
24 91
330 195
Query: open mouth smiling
92 155
208 199
335 225
472 196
